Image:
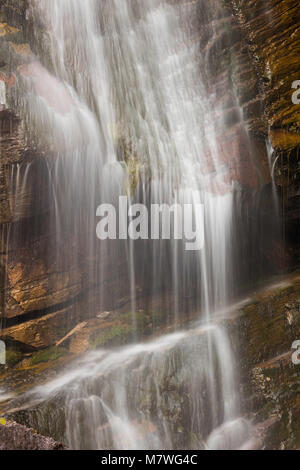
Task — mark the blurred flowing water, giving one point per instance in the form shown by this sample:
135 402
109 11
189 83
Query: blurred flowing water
122 103
176 392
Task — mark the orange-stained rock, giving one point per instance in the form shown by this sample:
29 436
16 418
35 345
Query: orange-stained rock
22 49
6 29
283 139
272 32
42 332
37 282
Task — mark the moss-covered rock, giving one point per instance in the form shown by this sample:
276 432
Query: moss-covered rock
270 322
13 358
47 355
117 334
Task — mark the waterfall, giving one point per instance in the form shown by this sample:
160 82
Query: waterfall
141 396
126 110
122 103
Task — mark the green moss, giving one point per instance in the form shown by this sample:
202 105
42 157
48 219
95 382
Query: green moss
46 355
144 319
158 318
138 319
139 324
13 357
118 333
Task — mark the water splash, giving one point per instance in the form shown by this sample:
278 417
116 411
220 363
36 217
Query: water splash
153 395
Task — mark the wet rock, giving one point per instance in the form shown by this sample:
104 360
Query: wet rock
276 384
166 393
267 327
272 33
14 436
44 331
230 76
265 323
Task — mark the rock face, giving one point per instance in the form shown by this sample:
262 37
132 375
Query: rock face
273 39
267 327
270 33
14 436
167 393
13 152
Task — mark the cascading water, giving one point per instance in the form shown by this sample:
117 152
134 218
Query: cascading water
122 105
164 394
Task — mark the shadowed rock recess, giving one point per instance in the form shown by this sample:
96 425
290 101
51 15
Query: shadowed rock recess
53 310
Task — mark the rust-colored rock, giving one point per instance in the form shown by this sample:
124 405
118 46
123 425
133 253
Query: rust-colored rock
272 32
44 331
